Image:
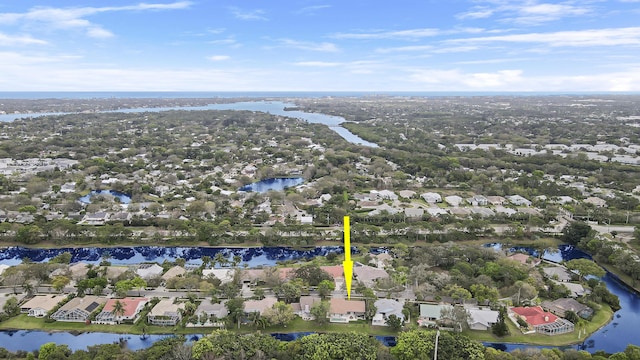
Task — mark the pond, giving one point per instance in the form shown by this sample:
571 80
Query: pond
122 197
276 184
30 340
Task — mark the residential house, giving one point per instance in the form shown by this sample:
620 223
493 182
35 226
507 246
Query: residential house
407 194
259 306
224 275
40 305
344 311
525 259
381 260
148 271
557 273
596 201
214 311
98 218
368 275
540 321
453 200
436 211
414 212
113 272
165 313
431 197
78 309
304 307
78 270
430 314
478 200
386 308
560 307
518 200
496 200
385 194
3 267
481 319
131 310
173 272
575 290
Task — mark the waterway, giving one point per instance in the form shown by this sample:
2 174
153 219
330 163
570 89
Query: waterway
270 107
613 337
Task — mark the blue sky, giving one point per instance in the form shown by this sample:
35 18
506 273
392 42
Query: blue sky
306 45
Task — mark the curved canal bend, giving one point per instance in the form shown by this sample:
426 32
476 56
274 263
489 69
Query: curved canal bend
613 337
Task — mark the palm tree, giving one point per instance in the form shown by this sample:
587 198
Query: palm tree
220 259
118 309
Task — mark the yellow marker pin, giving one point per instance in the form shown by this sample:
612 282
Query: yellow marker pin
347 264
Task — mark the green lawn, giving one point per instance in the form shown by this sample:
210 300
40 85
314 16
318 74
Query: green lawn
24 322
600 319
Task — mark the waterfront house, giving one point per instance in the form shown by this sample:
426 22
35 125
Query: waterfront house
368 275
165 313
560 307
344 311
386 308
131 310
259 306
217 311
557 273
148 271
40 305
78 309
303 308
539 321
430 314
173 272
481 319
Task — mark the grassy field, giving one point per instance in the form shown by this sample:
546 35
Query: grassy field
600 319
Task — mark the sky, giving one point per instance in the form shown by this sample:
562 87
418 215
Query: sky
308 45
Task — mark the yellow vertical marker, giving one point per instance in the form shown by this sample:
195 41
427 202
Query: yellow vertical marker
347 264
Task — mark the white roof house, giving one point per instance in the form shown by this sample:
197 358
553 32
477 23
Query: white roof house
147 271
165 313
431 197
453 200
224 275
386 308
482 319
519 200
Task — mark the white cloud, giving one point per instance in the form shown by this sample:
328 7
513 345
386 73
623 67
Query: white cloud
219 57
321 64
257 14
74 17
310 46
578 38
11 40
308 10
405 49
411 34
526 12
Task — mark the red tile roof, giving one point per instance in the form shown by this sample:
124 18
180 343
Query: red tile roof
336 271
535 315
130 305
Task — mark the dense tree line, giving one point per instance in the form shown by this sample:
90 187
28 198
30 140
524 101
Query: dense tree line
223 345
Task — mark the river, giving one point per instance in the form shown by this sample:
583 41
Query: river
270 107
613 337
